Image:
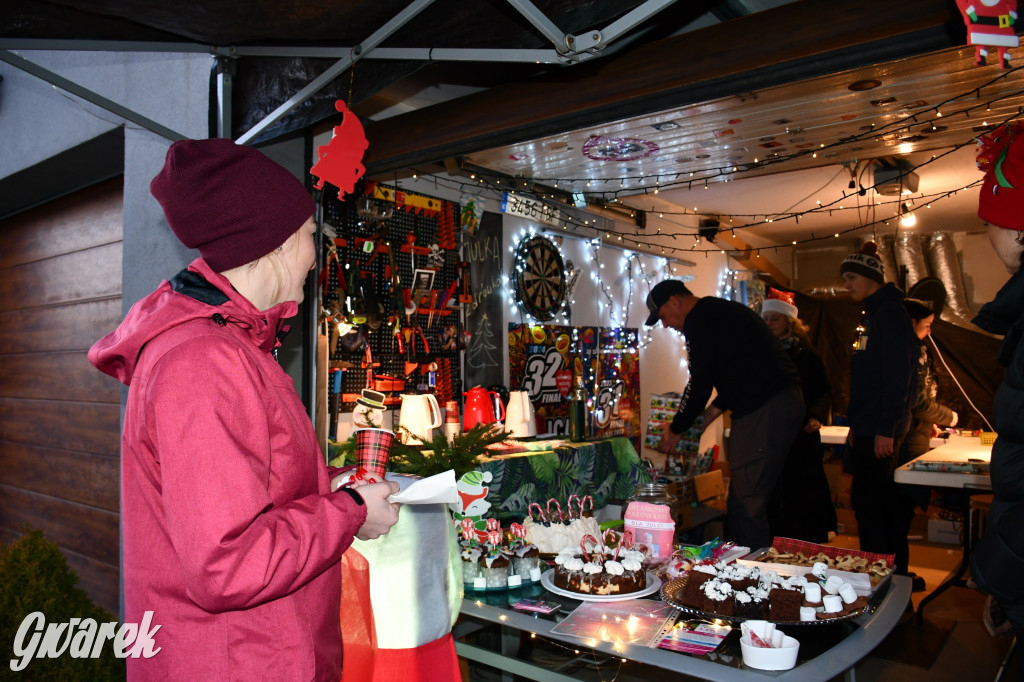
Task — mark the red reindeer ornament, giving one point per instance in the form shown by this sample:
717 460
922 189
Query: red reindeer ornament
341 160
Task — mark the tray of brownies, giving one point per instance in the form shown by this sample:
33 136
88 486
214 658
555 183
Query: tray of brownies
737 592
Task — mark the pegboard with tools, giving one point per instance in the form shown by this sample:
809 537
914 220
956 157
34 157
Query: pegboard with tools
392 277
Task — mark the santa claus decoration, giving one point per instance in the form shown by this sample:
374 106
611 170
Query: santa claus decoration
990 23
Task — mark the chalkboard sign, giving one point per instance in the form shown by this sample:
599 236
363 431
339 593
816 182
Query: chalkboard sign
485 349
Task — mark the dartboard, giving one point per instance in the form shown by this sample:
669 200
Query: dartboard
539 278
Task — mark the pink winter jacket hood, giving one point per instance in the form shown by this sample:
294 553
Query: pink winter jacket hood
231 535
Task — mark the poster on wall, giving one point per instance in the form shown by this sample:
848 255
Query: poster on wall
484 361
616 405
545 360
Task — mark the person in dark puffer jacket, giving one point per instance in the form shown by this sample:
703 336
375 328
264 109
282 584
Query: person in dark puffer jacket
1001 206
883 388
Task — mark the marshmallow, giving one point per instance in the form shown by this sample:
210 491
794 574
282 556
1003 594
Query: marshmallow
514 581
808 613
812 593
480 583
819 569
535 574
848 594
833 603
833 584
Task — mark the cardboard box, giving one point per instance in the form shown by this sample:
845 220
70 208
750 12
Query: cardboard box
711 489
943 531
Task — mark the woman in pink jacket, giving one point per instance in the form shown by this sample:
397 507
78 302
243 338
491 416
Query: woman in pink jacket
231 534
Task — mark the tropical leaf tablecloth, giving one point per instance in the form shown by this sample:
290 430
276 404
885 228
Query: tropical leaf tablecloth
606 470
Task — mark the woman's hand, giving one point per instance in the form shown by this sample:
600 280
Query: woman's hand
812 425
381 514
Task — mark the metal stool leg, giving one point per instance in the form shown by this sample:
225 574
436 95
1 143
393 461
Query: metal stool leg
1007 659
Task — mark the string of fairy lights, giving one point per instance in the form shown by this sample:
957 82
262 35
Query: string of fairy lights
599 231
589 224
705 175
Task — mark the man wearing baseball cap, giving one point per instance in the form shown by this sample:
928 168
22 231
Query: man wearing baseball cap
731 350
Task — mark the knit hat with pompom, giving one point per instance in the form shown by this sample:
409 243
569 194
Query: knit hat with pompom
865 263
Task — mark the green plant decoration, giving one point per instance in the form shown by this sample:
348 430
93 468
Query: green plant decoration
462 454
34 576
342 452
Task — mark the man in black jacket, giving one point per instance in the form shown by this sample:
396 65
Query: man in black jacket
731 350
882 392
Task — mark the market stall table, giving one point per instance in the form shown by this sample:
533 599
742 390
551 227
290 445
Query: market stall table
825 650
960 464
607 470
836 435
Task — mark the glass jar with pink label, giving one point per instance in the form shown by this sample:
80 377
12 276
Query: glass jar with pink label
649 517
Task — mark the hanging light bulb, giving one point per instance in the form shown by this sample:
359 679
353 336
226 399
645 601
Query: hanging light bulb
907 218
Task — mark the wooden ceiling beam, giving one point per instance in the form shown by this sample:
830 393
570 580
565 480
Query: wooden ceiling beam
800 40
749 259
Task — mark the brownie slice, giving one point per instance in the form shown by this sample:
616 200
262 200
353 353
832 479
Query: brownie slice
747 606
784 605
718 598
693 590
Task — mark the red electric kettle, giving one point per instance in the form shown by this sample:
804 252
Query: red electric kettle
480 406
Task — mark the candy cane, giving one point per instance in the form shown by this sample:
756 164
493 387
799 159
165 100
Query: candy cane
561 516
579 504
583 543
540 512
609 536
586 499
493 524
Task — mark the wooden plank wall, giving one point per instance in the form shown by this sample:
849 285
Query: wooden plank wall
60 290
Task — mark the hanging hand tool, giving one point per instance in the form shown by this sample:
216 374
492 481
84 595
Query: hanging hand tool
433 302
465 296
447 294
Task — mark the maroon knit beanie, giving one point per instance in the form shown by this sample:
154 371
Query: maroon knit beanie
229 201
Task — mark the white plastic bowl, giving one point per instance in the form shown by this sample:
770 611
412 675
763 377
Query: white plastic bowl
782 658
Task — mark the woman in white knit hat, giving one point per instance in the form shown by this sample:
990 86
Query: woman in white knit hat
801 507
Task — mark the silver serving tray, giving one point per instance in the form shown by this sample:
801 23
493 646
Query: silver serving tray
672 591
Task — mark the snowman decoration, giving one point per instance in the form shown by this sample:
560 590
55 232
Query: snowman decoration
472 504
369 409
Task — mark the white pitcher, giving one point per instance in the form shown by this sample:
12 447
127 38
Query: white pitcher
519 416
418 417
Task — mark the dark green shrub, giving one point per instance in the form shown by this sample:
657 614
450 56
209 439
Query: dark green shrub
34 576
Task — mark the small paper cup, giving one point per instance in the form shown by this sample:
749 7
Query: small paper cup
782 658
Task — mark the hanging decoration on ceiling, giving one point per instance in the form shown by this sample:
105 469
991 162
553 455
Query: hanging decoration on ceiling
341 160
990 23
992 147
600 148
538 278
